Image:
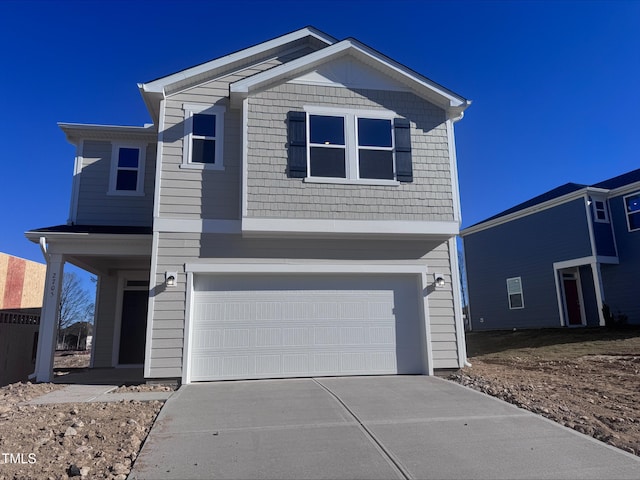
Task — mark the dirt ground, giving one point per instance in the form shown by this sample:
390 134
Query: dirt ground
83 440
585 379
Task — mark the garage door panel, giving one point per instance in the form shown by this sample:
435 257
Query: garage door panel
304 327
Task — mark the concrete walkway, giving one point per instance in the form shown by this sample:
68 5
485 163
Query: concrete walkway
95 393
364 427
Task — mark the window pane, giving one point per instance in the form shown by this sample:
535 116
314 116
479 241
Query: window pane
204 151
515 300
127 180
600 215
327 162
204 125
128 157
634 221
374 133
326 130
376 164
633 203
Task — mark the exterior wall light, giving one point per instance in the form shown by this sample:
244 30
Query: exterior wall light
438 280
170 278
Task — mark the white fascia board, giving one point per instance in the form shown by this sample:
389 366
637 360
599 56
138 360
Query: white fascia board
77 131
304 268
285 227
420 84
525 212
624 190
160 85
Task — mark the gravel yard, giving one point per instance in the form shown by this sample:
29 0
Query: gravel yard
588 380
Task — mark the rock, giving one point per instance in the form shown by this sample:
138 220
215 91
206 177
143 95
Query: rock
73 471
70 432
119 469
84 471
78 424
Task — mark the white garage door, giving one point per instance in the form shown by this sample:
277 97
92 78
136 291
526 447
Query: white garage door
279 326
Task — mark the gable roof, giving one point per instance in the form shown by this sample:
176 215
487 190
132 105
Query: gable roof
555 194
153 91
451 102
326 48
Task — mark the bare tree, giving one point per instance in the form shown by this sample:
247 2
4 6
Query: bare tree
76 304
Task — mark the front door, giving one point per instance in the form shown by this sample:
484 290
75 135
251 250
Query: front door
133 328
572 299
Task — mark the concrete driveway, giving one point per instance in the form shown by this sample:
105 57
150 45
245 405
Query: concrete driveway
364 428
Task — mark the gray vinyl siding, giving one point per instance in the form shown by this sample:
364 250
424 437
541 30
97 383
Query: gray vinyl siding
270 194
176 249
621 281
95 206
105 322
603 235
199 194
526 247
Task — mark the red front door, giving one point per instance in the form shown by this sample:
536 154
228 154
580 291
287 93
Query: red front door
572 301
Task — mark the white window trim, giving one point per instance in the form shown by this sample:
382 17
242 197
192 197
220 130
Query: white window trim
113 176
515 293
352 167
596 210
194 108
627 213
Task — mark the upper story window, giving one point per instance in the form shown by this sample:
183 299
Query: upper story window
600 212
349 146
632 206
514 292
127 170
203 136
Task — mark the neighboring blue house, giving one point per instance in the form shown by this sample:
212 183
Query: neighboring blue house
558 258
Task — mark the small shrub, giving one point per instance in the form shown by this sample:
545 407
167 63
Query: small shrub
613 320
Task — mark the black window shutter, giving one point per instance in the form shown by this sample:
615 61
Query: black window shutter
404 168
297 144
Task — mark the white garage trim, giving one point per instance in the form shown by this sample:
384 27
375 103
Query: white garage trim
420 271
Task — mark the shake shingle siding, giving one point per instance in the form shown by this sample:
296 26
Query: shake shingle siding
271 194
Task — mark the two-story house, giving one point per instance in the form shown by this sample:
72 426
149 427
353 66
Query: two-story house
290 212
568 257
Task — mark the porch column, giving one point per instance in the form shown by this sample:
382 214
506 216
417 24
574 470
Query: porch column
48 333
597 283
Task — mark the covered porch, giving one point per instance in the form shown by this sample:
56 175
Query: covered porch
120 258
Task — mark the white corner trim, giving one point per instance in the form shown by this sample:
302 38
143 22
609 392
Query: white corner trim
151 305
159 153
278 226
592 236
453 171
75 186
457 301
245 157
186 348
168 224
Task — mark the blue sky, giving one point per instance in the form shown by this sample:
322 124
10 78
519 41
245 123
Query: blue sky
554 85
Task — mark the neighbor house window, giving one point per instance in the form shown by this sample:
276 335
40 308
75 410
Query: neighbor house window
632 205
351 145
203 136
514 292
127 170
600 213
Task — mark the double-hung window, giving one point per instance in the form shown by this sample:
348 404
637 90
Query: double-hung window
514 292
632 207
203 137
127 170
350 145
600 213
